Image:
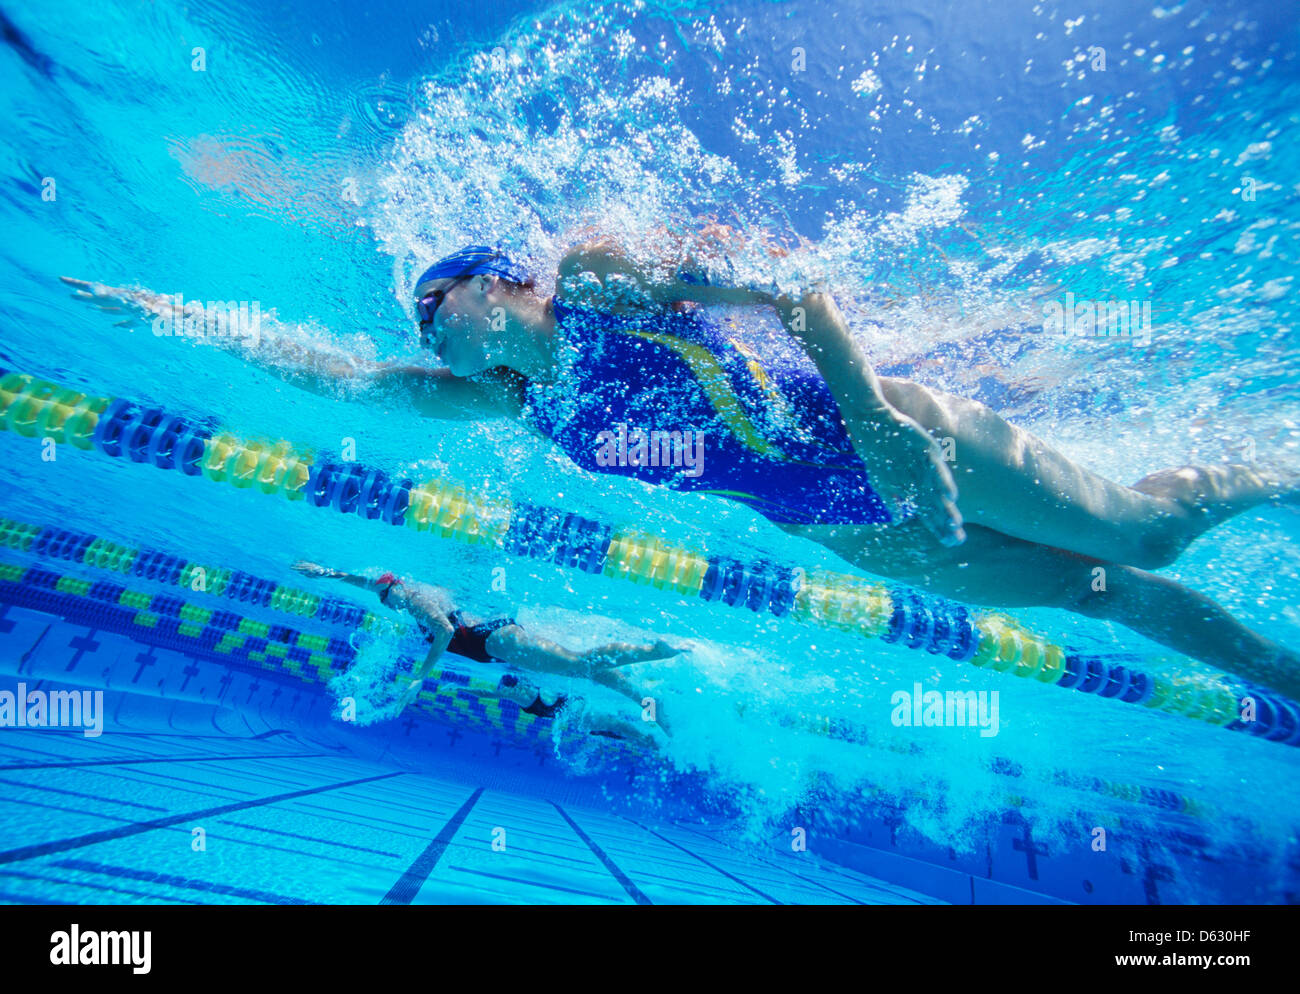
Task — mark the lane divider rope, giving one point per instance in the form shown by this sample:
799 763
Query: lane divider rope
894 614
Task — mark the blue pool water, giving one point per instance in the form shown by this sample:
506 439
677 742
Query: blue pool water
956 166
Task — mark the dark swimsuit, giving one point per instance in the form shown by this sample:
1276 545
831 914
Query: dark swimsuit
543 710
538 707
469 641
774 436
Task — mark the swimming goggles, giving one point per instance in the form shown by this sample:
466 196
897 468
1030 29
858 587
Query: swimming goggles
427 306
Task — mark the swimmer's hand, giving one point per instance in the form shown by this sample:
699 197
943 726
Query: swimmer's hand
408 695
906 467
134 305
314 570
905 464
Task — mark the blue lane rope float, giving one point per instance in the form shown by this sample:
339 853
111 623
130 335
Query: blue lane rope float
173 622
90 550
844 730
934 625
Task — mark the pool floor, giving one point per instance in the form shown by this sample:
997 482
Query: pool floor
217 781
189 801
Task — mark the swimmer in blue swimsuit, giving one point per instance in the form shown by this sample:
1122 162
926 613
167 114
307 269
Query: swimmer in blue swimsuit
503 640
625 371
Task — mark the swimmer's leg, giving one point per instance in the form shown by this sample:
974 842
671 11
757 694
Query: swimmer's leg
517 645
1016 484
625 654
1177 616
1005 572
643 732
520 647
638 695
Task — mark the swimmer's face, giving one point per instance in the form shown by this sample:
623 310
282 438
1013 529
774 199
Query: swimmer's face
466 326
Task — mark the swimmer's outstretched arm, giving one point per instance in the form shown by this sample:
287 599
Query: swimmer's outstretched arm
434 393
424 602
318 572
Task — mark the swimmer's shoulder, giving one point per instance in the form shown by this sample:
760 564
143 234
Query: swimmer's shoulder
426 597
598 279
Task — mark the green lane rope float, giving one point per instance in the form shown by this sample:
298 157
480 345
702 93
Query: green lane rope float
235 585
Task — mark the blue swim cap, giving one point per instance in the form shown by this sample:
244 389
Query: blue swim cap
470 261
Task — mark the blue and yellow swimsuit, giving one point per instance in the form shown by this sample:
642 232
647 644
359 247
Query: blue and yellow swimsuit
773 436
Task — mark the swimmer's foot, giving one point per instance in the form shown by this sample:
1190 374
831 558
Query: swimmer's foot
662 650
1208 495
1276 669
611 657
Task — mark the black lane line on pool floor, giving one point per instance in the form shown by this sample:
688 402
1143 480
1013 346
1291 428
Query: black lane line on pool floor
878 882
176 881
161 759
409 884
711 866
136 828
175 735
632 890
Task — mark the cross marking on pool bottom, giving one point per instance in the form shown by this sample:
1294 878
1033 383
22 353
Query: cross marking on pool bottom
146 658
1032 851
1152 874
190 671
83 644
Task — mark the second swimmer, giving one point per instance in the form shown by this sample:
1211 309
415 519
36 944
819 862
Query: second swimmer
446 626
